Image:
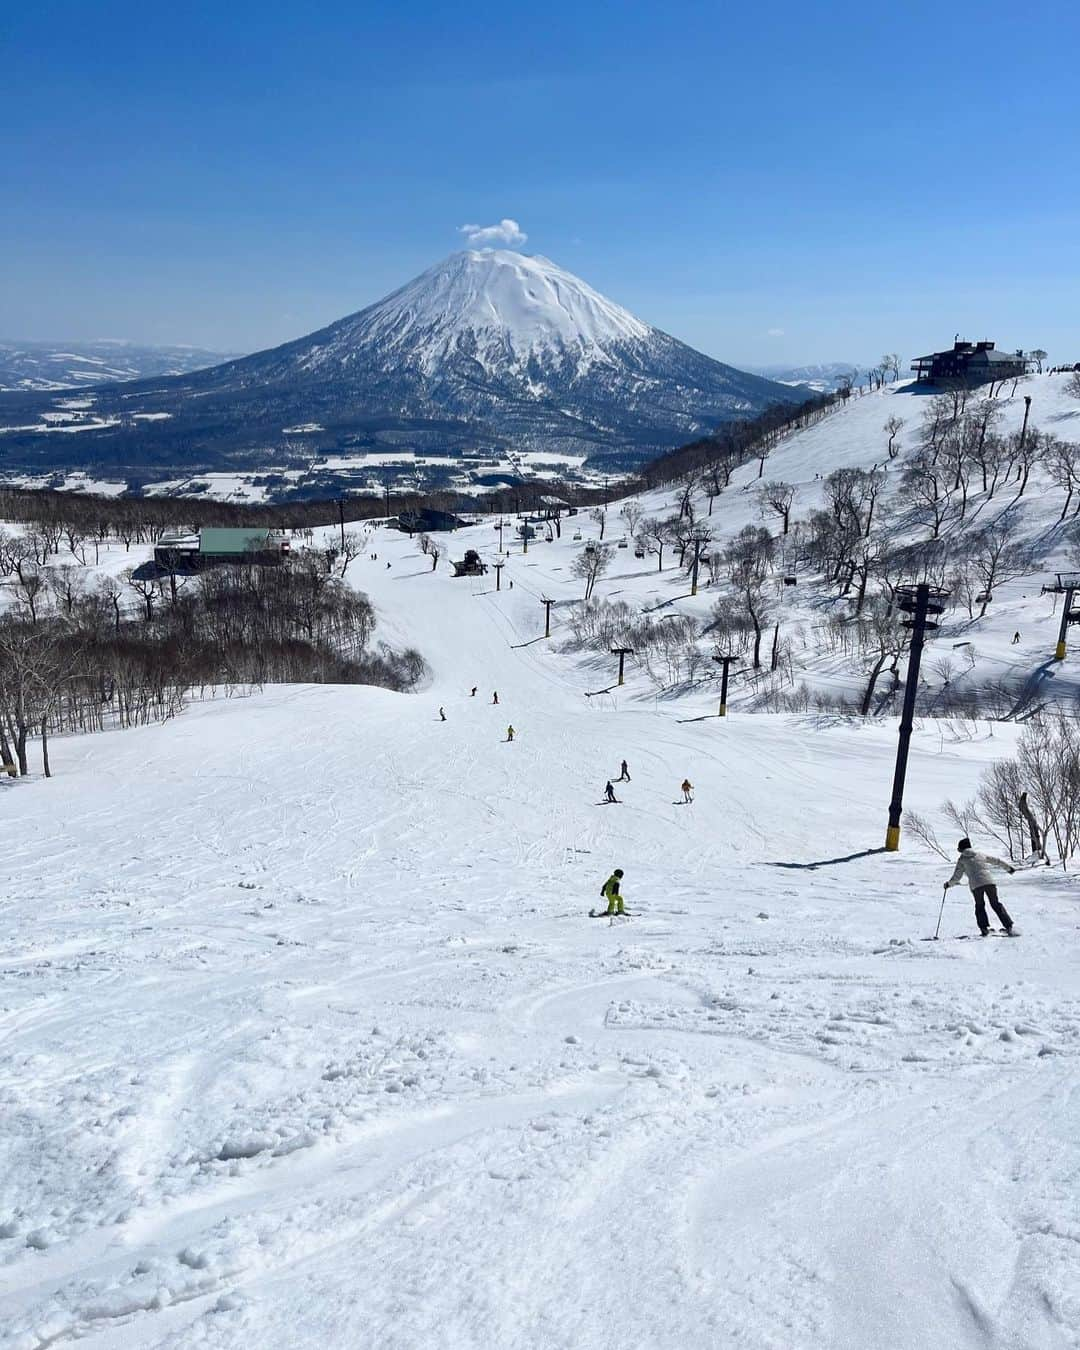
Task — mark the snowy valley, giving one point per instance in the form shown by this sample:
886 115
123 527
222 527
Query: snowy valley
307 1039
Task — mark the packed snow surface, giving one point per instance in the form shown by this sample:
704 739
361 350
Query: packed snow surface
306 1039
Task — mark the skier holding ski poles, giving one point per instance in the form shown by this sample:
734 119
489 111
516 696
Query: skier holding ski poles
975 867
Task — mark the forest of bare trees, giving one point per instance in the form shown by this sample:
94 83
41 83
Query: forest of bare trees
83 652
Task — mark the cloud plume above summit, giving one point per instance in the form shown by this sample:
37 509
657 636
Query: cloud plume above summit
507 231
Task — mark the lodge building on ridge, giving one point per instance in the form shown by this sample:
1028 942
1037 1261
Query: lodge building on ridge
969 363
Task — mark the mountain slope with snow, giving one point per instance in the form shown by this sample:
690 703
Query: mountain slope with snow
485 351
36 366
307 1040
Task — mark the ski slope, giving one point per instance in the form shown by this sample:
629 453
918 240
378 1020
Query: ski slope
306 1041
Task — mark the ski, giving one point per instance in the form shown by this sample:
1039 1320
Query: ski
966 937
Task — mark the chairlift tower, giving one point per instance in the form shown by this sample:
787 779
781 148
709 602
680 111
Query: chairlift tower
622 653
1066 584
920 602
724 660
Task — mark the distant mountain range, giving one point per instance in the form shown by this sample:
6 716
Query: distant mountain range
74 365
821 378
488 352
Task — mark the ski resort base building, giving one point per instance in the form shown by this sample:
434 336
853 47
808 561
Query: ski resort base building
217 547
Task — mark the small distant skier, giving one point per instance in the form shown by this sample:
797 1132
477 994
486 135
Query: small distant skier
976 868
472 693
1016 638
612 894
495 697
442 715
609 792
510 733
388 567
687 790
624 773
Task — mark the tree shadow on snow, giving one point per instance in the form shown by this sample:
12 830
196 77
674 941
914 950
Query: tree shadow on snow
828 862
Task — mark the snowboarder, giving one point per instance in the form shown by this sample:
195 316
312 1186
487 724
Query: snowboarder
624 773
495 697
687 790
611 893
442 715
609 792
388 567
976 868
1016 638
510 733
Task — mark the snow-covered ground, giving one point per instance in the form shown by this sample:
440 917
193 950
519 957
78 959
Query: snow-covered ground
306 1039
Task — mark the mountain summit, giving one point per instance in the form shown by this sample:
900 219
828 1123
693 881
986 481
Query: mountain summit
488 351
498 307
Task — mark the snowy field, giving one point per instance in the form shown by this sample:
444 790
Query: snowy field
306 1039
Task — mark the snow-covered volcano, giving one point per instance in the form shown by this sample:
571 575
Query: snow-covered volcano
496 307
487 350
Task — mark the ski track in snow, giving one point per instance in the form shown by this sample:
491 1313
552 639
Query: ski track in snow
305 1039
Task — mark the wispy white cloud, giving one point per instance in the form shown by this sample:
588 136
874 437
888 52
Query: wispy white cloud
774 332
507 231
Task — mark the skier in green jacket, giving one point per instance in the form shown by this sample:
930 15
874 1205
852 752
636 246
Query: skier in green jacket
611 893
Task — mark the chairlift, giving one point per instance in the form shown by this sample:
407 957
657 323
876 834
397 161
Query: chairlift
577 535
623 543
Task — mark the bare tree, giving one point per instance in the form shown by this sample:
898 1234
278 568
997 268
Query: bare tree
632 512
893 426
1063 466
749 556
654 535
883 641
1038 356
352 545
779 497
598 516
147 587
591 564
688 485
997 557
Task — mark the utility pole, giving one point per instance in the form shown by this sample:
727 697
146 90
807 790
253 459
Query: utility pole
525 537
622 653
920 602
499 527
724 661
1067 584
386 489
547 618
341 518
498 574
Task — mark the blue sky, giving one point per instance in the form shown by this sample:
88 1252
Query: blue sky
769 182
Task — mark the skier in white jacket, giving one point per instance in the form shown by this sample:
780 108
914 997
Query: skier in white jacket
975 867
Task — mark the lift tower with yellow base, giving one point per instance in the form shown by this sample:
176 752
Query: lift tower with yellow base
1066 584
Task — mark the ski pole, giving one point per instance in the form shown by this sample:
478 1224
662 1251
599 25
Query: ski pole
941 911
